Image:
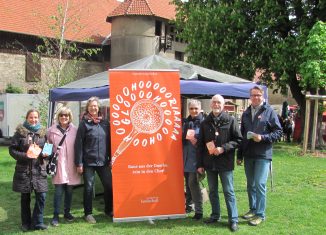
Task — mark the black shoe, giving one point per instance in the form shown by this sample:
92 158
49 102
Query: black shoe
197 216
189 209
69 217
109 214
234 227
41 227
25 227
212 220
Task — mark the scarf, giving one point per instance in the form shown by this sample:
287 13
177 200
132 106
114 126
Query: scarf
96 120
32 128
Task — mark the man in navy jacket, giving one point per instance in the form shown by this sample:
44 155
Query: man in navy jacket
260 127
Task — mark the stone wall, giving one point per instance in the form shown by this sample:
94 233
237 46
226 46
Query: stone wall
13 71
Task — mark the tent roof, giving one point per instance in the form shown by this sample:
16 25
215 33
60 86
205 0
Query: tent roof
195 81
187 71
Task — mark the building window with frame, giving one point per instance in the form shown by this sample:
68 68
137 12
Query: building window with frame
178 55
33 68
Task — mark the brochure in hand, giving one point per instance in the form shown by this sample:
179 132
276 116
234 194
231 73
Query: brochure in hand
250 135
190 134
47 149
210 146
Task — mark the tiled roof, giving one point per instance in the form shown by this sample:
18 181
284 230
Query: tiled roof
159 8
86 18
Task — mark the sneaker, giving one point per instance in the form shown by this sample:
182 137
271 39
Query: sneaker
41 227
255 221
234 227
90 219
69 217
197 216
55 221
212 220
249 215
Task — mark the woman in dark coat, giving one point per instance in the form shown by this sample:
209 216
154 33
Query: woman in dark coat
30 174
92 154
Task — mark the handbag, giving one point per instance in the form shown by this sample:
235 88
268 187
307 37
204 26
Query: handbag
51 167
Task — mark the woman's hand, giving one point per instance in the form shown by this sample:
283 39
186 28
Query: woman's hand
80 169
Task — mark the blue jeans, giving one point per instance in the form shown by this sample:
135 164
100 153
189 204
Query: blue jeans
59 190
89 178
257 174
25 201
229 195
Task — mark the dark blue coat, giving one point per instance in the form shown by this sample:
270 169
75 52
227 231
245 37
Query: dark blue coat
189 150
265 123
92 144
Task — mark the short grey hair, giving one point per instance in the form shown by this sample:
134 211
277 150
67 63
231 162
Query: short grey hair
194 103
218 97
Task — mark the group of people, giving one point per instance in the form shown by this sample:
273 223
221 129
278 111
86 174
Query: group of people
81 152
209 147
210 144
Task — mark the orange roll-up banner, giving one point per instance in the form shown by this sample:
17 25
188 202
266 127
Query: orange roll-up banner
146 131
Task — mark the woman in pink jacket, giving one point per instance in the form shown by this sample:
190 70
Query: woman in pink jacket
66 176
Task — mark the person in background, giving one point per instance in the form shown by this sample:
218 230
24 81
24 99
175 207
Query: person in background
66 176
260 127
93 154
219 136
190 134
30 173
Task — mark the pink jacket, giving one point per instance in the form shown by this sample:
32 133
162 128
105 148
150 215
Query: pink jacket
66 170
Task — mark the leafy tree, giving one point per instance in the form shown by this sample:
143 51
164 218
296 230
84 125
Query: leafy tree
62 58
313 69
242 36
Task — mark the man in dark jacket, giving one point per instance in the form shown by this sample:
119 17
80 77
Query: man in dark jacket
219 136
260 127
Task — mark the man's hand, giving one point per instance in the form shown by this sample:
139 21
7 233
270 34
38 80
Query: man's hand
239 162
257 138
218 151
193 141
201 170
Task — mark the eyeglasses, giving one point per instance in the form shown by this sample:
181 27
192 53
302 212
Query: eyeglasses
258 95
193 108
63 115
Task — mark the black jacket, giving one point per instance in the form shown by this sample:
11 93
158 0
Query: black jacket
224 131
92 145
29 173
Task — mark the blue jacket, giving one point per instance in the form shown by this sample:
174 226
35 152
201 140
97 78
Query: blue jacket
189 150
265 123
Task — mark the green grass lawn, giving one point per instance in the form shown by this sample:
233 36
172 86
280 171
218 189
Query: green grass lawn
297 204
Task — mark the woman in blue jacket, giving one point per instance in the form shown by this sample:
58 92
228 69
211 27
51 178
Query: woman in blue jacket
92 154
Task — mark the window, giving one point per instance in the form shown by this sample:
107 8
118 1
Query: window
33 68
178 55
